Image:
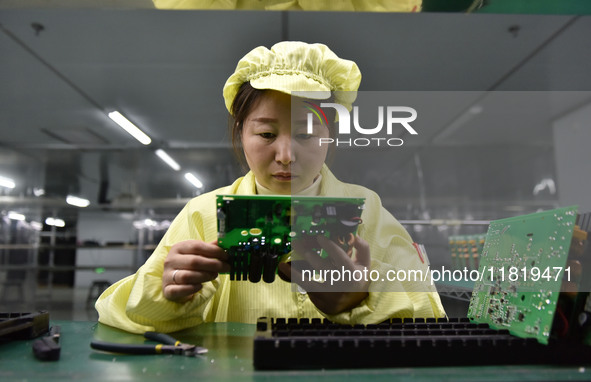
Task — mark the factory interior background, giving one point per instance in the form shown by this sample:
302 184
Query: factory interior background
64 68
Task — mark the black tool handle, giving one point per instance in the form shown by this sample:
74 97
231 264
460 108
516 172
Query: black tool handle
162 338
46 349
124 348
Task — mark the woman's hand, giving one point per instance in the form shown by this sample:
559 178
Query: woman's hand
188 265
331 296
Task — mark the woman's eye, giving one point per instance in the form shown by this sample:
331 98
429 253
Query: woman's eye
304 136
267 135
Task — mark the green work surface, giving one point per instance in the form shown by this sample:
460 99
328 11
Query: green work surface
229 359
548 7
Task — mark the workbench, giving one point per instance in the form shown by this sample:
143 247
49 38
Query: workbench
229 359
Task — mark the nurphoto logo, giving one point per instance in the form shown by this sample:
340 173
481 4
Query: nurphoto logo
392 115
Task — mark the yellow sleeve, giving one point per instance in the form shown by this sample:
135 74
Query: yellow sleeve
297 5
137 304
391 250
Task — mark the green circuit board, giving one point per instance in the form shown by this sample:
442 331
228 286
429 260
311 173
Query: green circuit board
257 231
522 266
465 250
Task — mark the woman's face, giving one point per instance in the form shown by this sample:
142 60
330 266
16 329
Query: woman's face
284 158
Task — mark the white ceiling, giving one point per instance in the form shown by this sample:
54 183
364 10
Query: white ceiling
165 70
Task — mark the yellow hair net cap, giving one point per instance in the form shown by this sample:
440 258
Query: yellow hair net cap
293 66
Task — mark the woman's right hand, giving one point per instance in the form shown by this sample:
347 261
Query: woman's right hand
188 265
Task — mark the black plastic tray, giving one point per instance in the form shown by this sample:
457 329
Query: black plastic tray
317 344
18 326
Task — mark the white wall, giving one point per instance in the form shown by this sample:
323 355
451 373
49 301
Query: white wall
104 227
572 147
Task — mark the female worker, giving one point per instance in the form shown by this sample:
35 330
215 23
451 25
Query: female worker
183 283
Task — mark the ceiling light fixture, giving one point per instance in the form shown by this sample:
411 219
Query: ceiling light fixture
546 183
36 226
168 160
55 222
6 182
459 122
132 129
150 223
76 201
15 216
193 180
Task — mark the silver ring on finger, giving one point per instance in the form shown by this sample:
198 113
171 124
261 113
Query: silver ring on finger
173 276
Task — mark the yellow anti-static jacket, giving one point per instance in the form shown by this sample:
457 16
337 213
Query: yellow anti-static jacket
306 5
136 303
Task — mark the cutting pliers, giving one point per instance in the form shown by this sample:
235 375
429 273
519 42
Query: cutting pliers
167 345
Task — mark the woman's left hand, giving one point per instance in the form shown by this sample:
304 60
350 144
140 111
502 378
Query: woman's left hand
337 291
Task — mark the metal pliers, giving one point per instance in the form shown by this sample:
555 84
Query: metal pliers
167 345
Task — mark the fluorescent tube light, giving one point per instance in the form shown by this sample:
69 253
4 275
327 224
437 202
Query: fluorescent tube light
6 182
76 201
55 222
151 224
15 216
193 180
132 129
168 160
463 119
